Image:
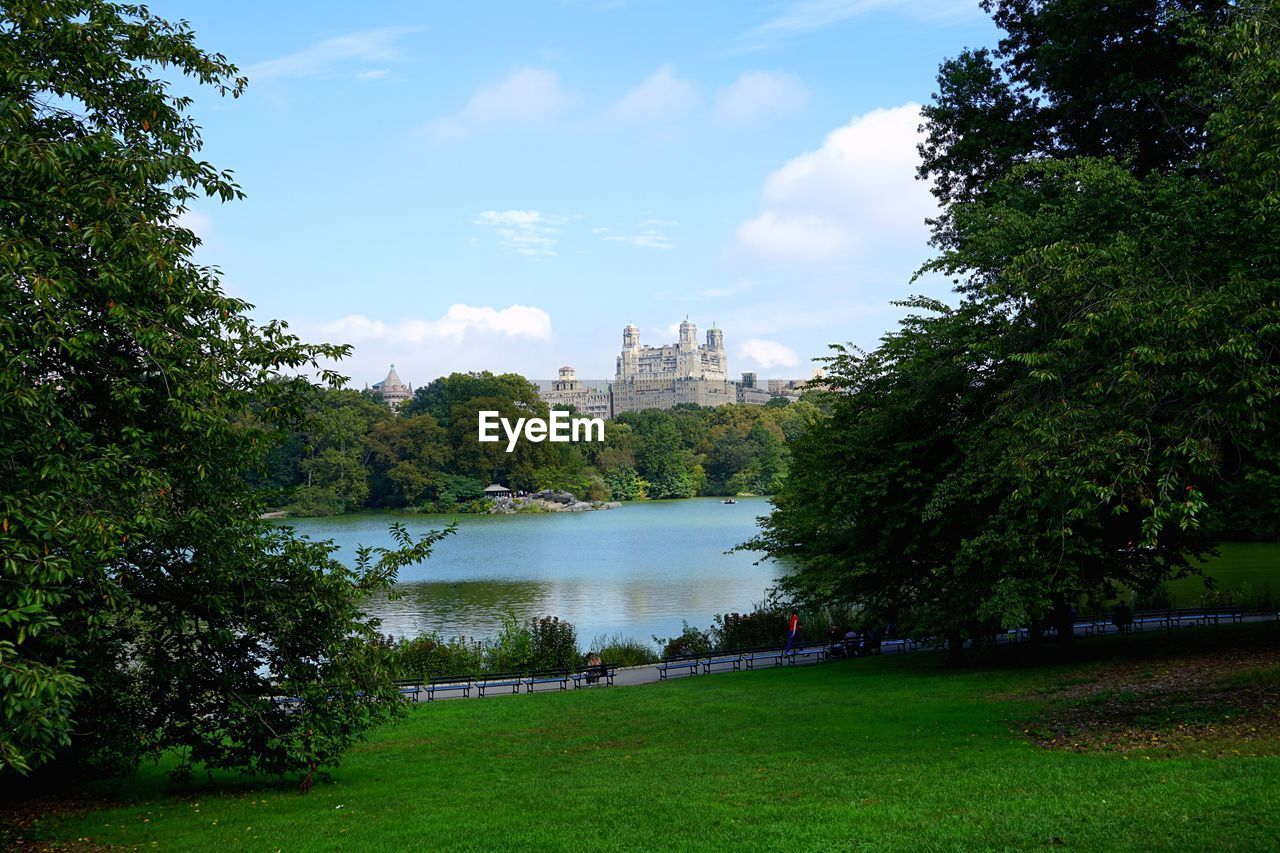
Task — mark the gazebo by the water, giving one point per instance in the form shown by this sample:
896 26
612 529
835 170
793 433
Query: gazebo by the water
494 491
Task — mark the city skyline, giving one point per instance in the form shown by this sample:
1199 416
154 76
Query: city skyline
452 191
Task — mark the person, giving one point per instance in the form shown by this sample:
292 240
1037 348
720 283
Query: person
793 630
1122 617
594 665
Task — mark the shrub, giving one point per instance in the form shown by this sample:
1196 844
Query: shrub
316 501
760 627
691 641
623 651
554 643
431 656
538 643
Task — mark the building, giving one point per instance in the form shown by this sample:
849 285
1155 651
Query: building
588 400
661 377
391 390
749 391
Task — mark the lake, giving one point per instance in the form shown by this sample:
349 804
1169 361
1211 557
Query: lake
637 570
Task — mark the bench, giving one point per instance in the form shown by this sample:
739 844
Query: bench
732 658
547 676
410 688
817 653
666 665
514 680
603 674
895 646
773 654
447 683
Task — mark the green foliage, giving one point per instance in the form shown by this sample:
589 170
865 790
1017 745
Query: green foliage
623 651
1071 78
144 607
759 628
1076 423
690 641
538 643
352 453
430 656
931 763
625 484
454 488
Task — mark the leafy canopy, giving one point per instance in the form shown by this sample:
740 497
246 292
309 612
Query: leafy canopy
144 607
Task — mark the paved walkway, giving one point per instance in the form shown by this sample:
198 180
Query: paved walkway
631 676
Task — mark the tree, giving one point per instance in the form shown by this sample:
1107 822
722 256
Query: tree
1071 78
1067 429
440 396
144 606
662 462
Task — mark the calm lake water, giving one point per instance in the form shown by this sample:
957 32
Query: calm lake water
637 570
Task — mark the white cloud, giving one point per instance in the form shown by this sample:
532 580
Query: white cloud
768 353
652 234
368 46
759 94
526 232
374 74
858 190
526 97
807 16
515 321
661 97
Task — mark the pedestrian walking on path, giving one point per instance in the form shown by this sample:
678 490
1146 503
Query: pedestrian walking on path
793 631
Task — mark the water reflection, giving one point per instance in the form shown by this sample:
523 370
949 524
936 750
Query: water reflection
638 570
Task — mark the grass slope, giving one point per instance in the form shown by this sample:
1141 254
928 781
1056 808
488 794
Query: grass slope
892 753
1251 569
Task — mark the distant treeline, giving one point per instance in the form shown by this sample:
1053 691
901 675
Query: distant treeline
352 452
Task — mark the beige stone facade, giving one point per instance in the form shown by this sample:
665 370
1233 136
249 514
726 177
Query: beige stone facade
391 390
568 391
661 377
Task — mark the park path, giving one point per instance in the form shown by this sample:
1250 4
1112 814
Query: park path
650 674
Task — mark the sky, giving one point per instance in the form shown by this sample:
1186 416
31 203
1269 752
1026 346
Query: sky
505 185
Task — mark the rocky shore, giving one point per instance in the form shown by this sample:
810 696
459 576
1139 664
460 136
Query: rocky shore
547 501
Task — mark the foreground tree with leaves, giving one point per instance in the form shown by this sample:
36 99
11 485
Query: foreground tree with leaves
144 608
1112 369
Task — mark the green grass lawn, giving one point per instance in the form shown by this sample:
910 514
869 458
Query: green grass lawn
891 753
1250 568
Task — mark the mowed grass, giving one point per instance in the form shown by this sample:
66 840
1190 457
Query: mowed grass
1249 567
891 753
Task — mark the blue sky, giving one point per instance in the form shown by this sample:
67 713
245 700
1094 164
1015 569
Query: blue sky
504 186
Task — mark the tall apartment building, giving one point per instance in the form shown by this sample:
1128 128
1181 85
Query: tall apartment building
661 377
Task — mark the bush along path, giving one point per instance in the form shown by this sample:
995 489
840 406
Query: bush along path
516 682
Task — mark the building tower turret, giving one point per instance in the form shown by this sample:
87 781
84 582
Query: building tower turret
715 339
631 337
688 335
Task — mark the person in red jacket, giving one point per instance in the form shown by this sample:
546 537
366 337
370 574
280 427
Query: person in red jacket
793 630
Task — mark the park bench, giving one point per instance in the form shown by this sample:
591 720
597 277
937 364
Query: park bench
603 673
732 658
773 654
449 683
410 688
815 653
547 676
501 680
667 665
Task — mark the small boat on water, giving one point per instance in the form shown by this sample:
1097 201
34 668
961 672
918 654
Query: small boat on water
728 501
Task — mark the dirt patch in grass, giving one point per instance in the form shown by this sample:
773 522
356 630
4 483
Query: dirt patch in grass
1223 702
17 817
